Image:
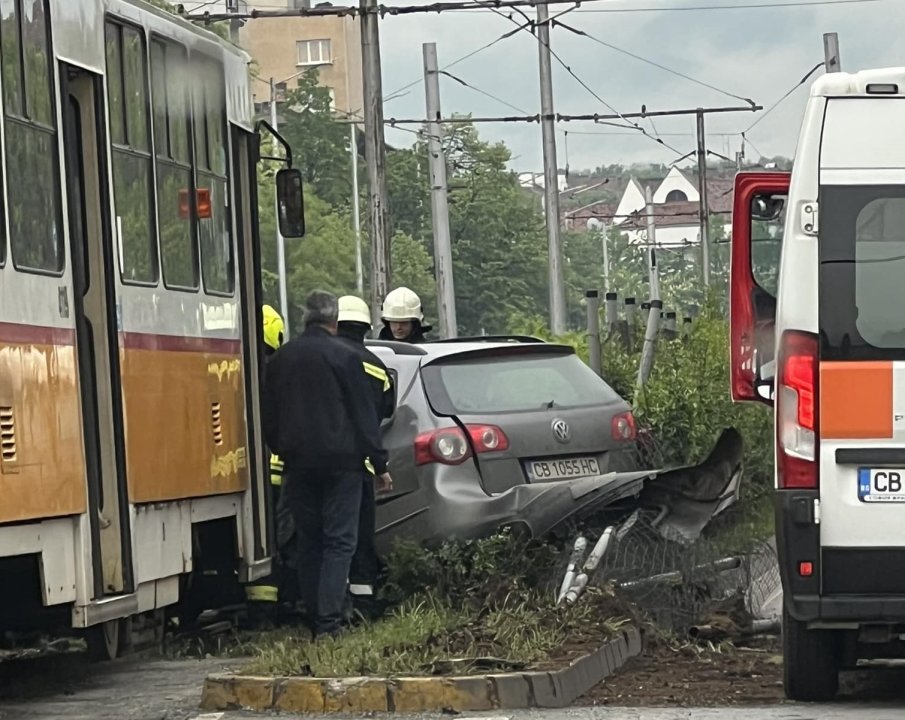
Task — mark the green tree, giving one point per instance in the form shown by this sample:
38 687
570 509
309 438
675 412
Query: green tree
319 142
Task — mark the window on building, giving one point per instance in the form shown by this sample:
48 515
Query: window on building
315 52
127 97
676 196
34 206
213 220
175 187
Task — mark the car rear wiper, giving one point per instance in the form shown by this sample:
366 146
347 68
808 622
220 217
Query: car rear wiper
549 405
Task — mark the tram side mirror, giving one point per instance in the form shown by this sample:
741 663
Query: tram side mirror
291 201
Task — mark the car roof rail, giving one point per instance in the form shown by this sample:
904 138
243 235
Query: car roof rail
400 348
491 338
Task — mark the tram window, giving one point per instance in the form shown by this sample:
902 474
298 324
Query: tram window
132 171
38 95
175 187
115 84
12 71
33 195
214 231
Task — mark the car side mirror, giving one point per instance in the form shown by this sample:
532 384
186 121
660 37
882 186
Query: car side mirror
291 202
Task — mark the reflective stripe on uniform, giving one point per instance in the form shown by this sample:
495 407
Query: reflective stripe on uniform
276 470
379 373
361 589
261 593
369 467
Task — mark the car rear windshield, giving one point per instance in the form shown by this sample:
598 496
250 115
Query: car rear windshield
514 383
862 272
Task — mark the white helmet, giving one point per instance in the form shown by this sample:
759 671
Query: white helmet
354 309
400 305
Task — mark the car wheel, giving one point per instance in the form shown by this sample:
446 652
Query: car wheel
810 661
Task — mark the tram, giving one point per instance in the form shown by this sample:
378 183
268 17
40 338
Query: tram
131 458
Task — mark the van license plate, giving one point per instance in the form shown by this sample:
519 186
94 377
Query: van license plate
883 485
562 469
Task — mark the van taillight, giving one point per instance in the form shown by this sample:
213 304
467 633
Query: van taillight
450 447
797 411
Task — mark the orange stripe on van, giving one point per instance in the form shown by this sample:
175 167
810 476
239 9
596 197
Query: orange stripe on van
856 400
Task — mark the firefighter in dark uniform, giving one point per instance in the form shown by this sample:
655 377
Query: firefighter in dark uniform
263 596
354 325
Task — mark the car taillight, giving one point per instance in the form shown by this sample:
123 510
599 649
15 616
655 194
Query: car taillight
624 428
797 411
450 446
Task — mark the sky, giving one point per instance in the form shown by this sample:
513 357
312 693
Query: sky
758 53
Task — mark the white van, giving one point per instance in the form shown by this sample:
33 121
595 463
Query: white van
823 341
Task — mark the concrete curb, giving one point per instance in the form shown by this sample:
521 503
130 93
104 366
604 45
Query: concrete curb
552 689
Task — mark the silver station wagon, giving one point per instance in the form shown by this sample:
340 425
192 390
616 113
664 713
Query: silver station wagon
495 432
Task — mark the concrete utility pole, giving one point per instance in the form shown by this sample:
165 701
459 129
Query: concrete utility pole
551 174
281 245
356 214
375 156
653 272
831 52
592 298
704 206
443 265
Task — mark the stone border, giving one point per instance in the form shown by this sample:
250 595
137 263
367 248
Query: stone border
554 689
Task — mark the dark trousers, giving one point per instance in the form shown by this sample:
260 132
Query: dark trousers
325 506
364 570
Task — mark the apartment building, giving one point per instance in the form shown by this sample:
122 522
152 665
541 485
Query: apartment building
287 48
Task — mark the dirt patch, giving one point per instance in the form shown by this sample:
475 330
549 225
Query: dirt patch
696 676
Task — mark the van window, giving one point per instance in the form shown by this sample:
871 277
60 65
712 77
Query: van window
768 213
862 266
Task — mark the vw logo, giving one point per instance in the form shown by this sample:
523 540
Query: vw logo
561 431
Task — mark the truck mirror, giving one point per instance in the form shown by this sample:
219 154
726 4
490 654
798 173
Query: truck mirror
291 202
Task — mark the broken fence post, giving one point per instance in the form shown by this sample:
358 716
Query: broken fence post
650 343
670 328
612 312
593 303
631 312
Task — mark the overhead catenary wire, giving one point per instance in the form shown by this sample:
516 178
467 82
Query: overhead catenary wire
655 64
603 102
588 117
783 98
470 5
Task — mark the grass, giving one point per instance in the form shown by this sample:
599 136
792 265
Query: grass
429 636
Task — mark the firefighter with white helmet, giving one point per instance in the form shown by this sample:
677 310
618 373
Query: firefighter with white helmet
354 325
402 318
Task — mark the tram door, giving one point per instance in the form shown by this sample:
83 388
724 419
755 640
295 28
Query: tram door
90 237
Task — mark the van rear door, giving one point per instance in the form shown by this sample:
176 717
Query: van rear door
861 252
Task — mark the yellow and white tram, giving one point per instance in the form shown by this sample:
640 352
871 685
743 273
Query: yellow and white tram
130 450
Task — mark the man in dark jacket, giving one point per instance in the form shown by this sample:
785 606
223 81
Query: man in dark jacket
322 421
354 325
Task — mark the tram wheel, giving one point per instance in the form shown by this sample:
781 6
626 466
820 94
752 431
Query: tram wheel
104 640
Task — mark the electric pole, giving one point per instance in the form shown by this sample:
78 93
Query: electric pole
704 204
356 215
653 272
375 156
831 52
446 293
551 173
281 245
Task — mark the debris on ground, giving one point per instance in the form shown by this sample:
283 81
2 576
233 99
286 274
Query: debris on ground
693 675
